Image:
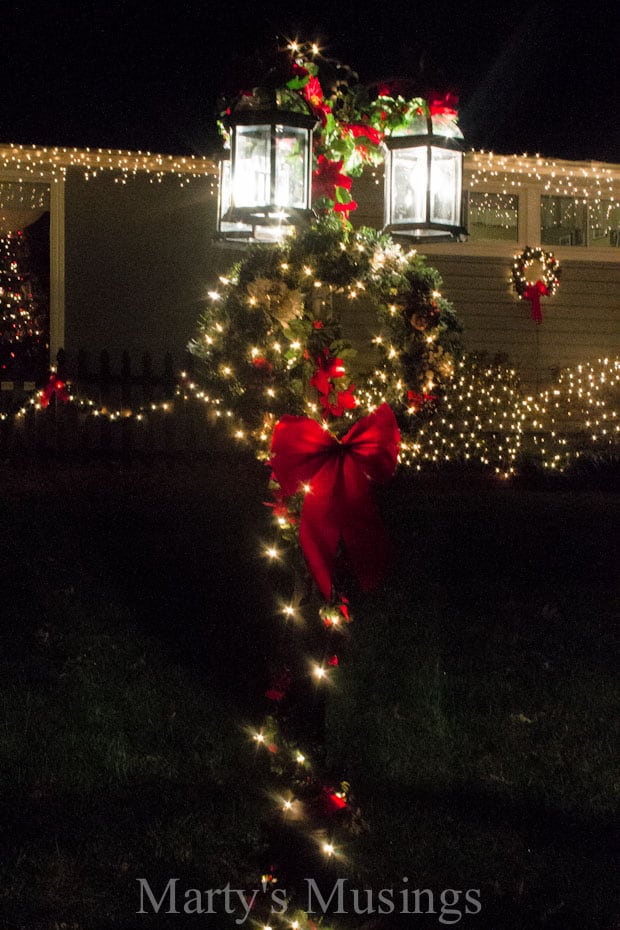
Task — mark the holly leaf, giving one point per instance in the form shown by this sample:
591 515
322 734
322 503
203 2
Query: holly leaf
298 82
343 195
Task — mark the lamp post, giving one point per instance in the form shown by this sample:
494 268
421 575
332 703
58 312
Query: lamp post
265 185
423 176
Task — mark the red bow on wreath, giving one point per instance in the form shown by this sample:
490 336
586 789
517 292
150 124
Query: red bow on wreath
533 293
338 505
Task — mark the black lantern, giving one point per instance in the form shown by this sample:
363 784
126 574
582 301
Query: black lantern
265 185
423 176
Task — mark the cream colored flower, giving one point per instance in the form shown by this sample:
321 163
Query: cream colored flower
276 299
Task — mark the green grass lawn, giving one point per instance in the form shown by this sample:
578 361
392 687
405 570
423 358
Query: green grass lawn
125 680
474 711
477 714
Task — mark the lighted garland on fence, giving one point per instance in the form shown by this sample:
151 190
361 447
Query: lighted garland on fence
59 394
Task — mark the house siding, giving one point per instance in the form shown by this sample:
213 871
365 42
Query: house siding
580 323
141 258
139 262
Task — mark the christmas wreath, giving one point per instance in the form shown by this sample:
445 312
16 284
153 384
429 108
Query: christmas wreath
544 286
271 339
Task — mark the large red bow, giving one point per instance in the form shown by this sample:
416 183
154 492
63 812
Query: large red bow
338 504
533 293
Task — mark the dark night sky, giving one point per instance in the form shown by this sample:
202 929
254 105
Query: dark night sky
531 77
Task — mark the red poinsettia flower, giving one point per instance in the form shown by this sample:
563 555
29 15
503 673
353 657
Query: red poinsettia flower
416 400
330 613
279 686
313 93
358 130
280 510
332 801
262 364
345 208
345 401
343 607
328 368
443 106
327 177
299 70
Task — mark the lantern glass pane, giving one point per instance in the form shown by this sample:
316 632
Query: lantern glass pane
292 152
225 189
251 175
417 125
445 186
445 124
409 176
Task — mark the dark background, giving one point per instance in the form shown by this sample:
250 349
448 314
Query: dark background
535 77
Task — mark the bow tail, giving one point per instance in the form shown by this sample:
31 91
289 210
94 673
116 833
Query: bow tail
533 293
363 533
319 535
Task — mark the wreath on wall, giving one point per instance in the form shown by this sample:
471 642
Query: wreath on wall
544 286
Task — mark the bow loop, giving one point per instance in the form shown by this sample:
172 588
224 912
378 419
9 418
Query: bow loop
338 505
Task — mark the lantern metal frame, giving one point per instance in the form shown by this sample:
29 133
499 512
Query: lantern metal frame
427 228
269 221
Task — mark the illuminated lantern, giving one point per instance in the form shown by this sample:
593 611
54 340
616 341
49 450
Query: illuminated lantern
423 175
265 185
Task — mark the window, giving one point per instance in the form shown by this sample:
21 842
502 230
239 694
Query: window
571 221
492 216
563 221
605 224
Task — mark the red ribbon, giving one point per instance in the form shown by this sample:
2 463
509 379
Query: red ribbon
54 386
339 504
533 293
